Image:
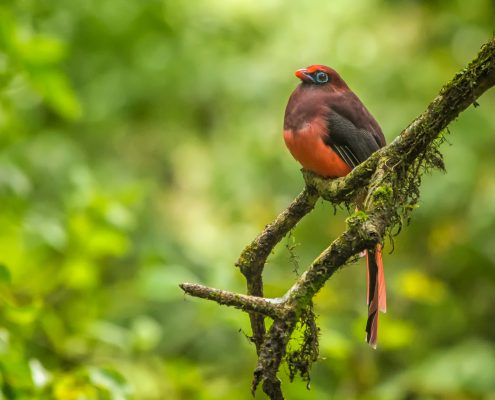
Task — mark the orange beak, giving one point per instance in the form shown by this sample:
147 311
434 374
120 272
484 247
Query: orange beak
304 75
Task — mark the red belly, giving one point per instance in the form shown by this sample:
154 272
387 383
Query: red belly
307 147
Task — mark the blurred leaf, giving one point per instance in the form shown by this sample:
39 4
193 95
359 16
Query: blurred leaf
106 242
110 333
75 387
5 276
58 93
13 178
23 315
40 376
4 340
41 50
146 333
416 285
80 273
47 230
111 381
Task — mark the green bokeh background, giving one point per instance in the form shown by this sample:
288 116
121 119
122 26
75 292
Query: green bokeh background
141 147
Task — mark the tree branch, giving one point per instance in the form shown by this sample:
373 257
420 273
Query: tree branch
272 308
252 260
389 180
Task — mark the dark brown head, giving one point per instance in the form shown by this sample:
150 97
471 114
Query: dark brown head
321 75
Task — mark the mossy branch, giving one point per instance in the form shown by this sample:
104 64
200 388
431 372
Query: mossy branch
387 188
268 307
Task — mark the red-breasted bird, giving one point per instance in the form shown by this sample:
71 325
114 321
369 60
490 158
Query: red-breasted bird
329 131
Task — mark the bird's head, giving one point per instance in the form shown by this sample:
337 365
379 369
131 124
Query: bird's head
320 75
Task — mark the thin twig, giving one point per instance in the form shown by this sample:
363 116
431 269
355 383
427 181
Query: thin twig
273 308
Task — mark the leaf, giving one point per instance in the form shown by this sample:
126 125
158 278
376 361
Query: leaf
110 380
57 91
41 50
5 276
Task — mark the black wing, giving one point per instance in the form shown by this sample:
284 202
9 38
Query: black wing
351 143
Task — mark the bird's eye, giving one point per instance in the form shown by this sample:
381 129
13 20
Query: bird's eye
321 77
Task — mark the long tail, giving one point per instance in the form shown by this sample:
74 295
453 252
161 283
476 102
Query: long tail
376 292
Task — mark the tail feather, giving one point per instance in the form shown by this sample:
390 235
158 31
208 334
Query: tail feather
382 290
376 292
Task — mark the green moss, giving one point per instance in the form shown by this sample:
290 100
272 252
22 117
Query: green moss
384 191
303 348
356 219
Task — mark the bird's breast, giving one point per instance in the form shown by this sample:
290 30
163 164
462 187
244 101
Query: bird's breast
307 146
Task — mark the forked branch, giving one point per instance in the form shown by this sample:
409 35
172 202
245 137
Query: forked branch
387 186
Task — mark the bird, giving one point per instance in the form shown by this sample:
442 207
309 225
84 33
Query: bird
329 131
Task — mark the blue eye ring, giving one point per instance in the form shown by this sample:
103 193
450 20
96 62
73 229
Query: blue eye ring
321 77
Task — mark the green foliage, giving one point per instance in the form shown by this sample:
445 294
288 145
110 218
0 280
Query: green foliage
141 147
